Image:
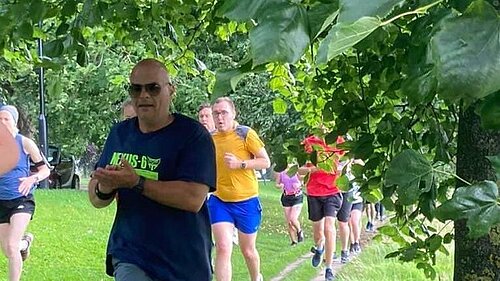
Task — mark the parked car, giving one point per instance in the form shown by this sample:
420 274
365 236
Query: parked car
63 172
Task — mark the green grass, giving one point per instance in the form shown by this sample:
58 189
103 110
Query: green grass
71 237
371 266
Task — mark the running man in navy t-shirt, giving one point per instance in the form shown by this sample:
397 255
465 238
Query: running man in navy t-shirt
159 166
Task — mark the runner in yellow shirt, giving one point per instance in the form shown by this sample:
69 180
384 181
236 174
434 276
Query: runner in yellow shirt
235 203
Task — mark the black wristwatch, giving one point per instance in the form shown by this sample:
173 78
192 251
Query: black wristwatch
243 165
139 187
103 196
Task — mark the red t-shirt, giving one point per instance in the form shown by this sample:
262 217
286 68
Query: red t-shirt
322 183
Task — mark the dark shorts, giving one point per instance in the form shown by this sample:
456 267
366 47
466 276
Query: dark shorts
357 206
345 210
245 215
25 204
291 200
323 206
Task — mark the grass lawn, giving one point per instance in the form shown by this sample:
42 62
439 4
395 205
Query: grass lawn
71 236
371 266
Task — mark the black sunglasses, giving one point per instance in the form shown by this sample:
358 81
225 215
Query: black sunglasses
135 90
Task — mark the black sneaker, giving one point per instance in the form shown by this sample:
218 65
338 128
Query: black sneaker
335 258
356 247
329 274
351 248
344 256
316 259
369 227
293 243
300 236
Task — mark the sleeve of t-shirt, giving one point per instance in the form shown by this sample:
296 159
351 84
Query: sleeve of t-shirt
197 160
106 151
253 142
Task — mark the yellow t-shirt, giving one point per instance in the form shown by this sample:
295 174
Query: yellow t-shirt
235 185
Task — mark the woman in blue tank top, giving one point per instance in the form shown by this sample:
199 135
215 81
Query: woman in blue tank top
16 195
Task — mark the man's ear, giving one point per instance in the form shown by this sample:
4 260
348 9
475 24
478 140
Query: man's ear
173 91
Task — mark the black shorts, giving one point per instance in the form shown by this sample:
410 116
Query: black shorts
357 206
25 204
291 200
323 206
345 210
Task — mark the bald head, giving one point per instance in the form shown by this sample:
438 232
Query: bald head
152 64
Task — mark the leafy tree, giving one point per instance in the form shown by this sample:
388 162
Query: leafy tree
406 79
398 75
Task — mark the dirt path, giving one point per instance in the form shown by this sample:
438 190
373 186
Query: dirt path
366 237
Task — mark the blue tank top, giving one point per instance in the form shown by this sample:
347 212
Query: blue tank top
9 182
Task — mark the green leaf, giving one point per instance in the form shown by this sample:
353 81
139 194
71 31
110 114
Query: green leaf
490 112
281 37
280 161
25 30
343 36
407 170
292 171
477 203
37 10
226 81
495 162
420 88
435 241
321 16
352 10
279 106
243 11
69 8
374 195
343 183
53 48
429 271
465 53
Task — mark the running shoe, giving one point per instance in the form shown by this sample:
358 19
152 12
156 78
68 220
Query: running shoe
28 237
300 236
316 259
344 256
356 247
329 274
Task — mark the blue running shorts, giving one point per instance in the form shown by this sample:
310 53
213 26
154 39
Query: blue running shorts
245 215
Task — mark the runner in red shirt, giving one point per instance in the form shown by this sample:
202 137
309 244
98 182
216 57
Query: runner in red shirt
324 200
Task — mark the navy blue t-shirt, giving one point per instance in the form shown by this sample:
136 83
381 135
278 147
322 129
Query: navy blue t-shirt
167 243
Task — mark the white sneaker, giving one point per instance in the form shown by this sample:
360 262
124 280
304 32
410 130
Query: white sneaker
235 237
25 253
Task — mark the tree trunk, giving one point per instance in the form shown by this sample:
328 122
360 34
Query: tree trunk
476 259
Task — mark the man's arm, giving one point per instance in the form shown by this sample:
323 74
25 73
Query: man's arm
260 161
8 150
187 196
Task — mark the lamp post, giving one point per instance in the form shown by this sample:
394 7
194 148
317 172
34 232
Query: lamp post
42 122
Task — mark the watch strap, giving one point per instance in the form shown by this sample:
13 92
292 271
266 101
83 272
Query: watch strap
139 187
104 196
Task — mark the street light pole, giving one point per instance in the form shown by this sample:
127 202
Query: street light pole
42 122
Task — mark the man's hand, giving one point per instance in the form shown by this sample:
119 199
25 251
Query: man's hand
232 162
113 177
